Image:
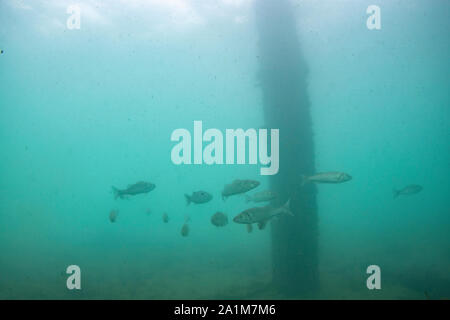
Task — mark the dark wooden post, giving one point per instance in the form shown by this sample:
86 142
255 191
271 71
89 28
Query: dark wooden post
283 78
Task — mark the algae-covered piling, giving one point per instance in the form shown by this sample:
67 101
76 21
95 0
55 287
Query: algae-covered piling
283 76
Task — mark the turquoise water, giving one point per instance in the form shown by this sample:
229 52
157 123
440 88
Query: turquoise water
86 109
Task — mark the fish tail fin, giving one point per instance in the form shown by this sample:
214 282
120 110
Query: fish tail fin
395 193
287 209
116 192
248 198
188 199
303 180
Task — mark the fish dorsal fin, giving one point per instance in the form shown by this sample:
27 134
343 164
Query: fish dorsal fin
262 225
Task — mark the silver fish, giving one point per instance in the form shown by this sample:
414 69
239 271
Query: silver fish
198 197
410 189
219 219
261 196
165 217
134 189
185 230
238 187
260 215
327 177
113 215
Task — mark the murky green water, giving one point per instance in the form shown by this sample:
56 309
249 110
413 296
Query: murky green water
86 109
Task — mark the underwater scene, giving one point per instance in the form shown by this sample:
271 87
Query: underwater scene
224 149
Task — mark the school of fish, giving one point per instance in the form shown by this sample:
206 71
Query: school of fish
258 215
